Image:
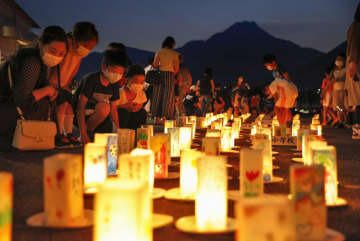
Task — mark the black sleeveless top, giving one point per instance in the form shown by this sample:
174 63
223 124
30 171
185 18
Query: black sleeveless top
205 86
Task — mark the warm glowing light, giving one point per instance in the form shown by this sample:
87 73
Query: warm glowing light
95 167
126 139
326 156
150 127
168 124
307 192
123 211
63 190
211 145
142 138
306 147
311 146
110 140
185 138
188 171
213 133
266 218
138 165
174 141
263 142
319 130
251 173
160 145
226 139
192 125
211 197
6 205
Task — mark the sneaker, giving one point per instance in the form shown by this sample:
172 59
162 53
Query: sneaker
62 141
74 140
355 133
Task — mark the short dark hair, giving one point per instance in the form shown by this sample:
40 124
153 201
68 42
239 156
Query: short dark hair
328 70
208 72
114 58
168 42
85 31
269 58
117 46
53 33
135 70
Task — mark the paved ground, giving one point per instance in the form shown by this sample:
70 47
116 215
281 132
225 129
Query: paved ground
27 170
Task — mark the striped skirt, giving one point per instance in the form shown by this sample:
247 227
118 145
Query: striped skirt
163 97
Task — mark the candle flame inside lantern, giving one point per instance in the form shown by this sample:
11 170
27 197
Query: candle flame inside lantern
95 166
226 139
211 196
123 211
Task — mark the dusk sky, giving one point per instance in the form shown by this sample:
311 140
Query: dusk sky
319 24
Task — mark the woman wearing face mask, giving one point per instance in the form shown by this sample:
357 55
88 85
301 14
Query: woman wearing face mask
338 76
81 41
132 99
98 96
30 70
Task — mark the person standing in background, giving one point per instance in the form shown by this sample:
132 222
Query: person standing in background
184 81
352 83
338 76
207 90
326 95
163 97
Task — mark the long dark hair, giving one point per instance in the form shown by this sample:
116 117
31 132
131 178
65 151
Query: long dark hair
169 42
357 13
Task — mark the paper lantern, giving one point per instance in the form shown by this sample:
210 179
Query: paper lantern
266 218
168 124
188 171
181 121
237 124
301 133
142 138
185 138
253 130
211 145
319 130
211 196
110 140
138 165
193 127
6 206
311 146
226 139
126 140
123 211
262 142
192 118
234 136
326 156
251 173
95 166
201 123
174 141
150 128
306 147
213 133
63 190
307 191
160 145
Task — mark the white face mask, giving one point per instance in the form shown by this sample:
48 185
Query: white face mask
136 87
82 51
339 63
112 77
51 60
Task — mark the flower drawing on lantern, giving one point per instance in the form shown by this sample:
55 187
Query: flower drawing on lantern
143 140
160 162
250 185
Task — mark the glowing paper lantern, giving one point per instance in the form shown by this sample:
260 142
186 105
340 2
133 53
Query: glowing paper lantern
307 191
301 133
211 145
150 127
251 173
226 139
185 138
234 136
181 120
6 206
123 211
126 140
311 146
142 138
138 165
262 142
326 156
168 124
110 140
306 147
237 124
193 128
63 190
266 218
188 171
95 167
213 133
253 130
319 130
211 196
160 145
200 123
174 141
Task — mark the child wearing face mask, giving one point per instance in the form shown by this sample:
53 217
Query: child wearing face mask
338 76
29 89
132 99
81 40
98 96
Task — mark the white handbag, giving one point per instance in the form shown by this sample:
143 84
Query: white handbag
32 134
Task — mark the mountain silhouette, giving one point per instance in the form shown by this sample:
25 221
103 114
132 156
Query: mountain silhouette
238 51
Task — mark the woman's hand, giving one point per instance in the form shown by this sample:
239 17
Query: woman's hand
52 93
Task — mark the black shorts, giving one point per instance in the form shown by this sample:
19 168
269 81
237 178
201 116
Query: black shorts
63 97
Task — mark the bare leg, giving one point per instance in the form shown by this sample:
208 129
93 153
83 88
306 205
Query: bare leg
60 116
102 110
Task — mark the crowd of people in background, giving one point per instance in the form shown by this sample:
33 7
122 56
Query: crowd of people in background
38 83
